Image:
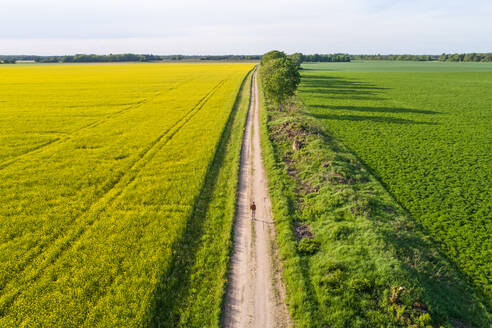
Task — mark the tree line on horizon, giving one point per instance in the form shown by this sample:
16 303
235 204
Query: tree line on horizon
468 57
340 57
83 58
92 58
464 57
406 57
337 57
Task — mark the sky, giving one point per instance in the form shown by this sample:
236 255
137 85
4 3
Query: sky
211 27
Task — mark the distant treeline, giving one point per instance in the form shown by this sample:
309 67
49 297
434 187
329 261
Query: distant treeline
81 58
210 57
471 57
7 59
326 58
338 57
468 57
84 58
231 57
395 57
91 58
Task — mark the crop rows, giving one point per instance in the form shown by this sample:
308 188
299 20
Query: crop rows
426 136
351 255
90 217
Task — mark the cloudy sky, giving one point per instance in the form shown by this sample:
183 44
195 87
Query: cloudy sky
58 27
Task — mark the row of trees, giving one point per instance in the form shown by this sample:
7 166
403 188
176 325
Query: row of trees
280 76
466 57
11 59
231 57
91 58
297 58
83 58
326 58
470 57
395 57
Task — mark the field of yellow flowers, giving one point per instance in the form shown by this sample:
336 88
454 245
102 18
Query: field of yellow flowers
102 167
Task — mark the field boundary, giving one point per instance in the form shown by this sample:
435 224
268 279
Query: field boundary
176 280
300 301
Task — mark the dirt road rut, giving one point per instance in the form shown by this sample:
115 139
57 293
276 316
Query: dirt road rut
255 295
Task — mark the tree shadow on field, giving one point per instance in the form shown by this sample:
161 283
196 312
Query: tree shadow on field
329 87
376 119
338 88
395 110
174 283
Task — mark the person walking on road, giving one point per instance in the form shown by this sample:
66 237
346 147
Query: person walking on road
253 210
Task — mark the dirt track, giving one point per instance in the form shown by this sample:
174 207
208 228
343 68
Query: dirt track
255 295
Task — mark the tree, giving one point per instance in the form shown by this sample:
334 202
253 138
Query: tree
280 79
296 58
274 54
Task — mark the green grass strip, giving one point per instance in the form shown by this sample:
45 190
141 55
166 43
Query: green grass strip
197 279
300 300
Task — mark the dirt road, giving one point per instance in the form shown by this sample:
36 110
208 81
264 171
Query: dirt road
255 295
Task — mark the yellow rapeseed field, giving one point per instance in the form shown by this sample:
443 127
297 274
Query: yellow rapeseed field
100 168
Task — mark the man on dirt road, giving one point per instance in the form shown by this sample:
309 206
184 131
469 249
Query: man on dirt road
253 210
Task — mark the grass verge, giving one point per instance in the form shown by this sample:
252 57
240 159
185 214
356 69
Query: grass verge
351 255
191 294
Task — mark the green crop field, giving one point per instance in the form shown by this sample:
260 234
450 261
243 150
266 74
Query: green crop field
106 173
398 66
425 131
381 193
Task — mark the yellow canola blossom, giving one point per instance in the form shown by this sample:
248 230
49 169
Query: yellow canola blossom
100 167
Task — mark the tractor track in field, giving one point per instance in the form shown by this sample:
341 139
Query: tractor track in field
204 100
255 294
60 140
63 243
131 165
